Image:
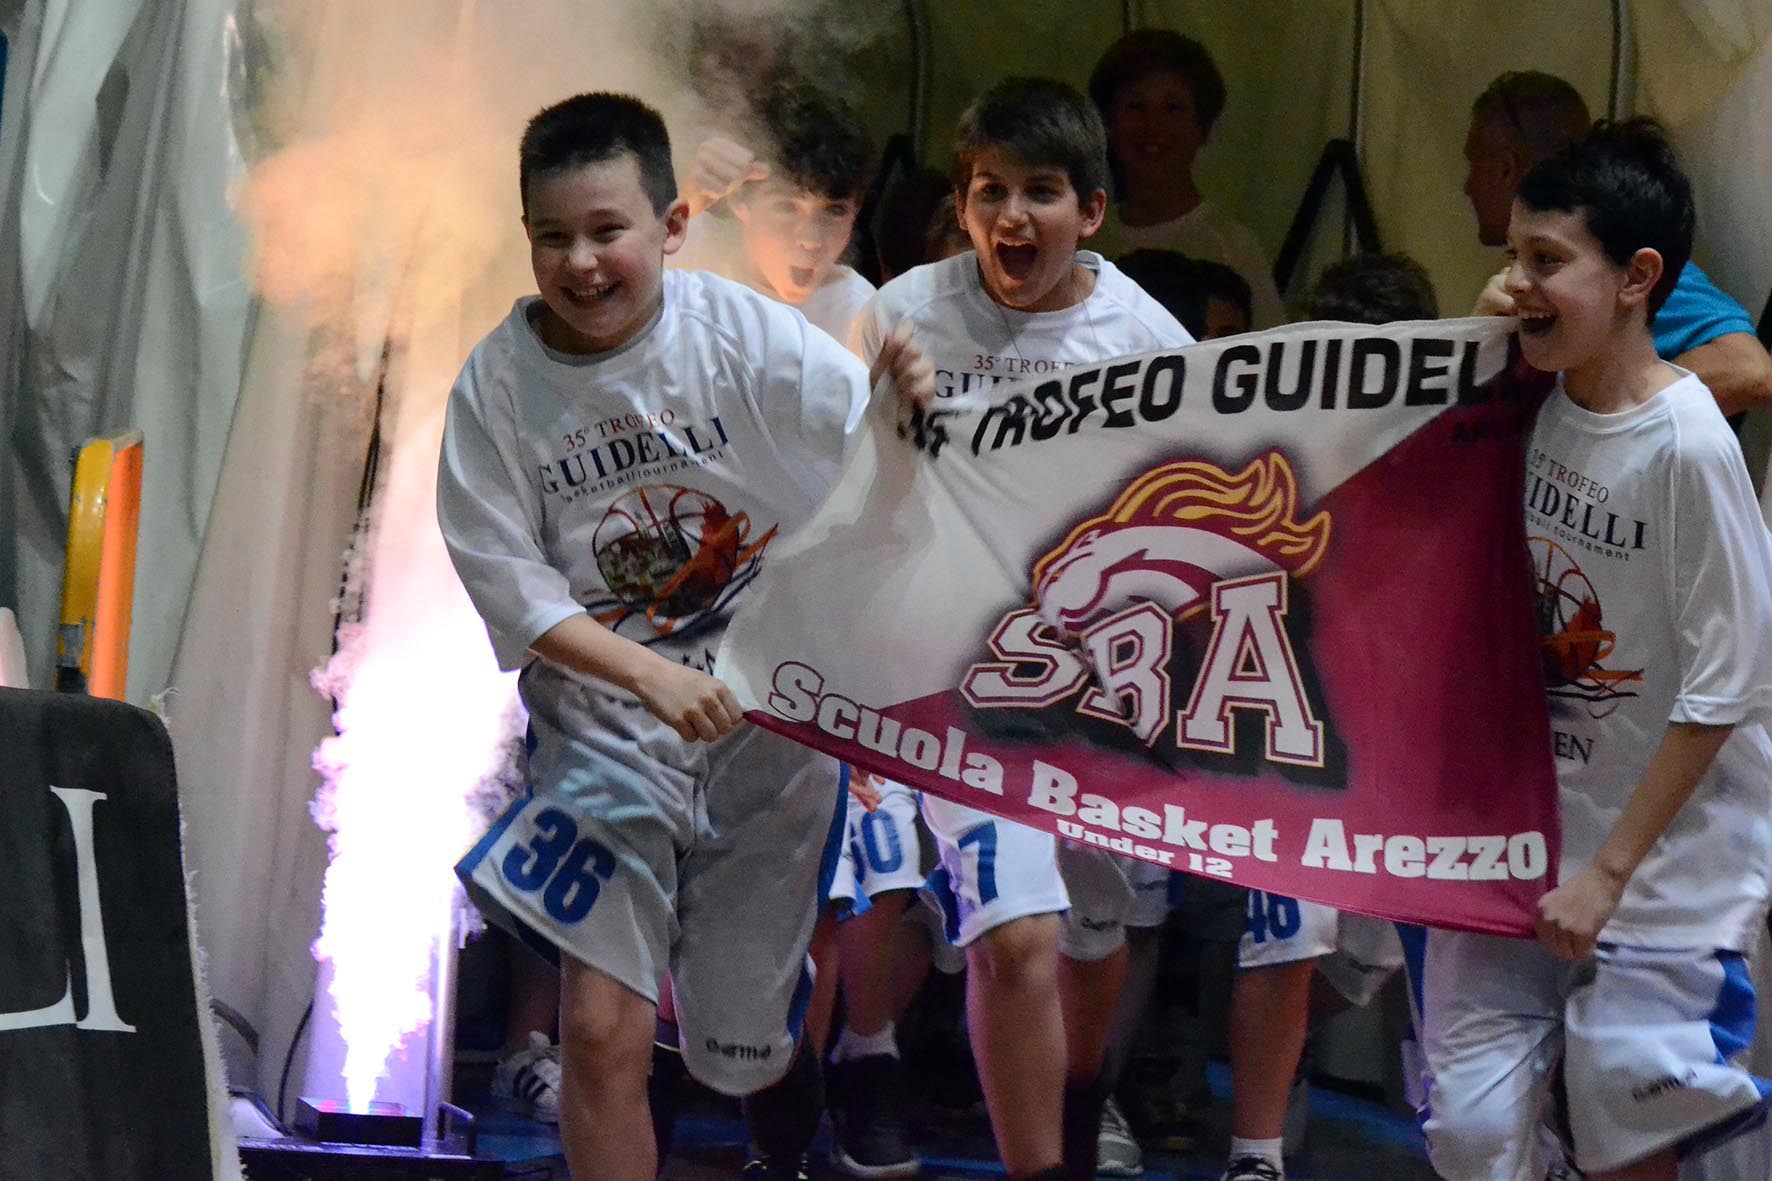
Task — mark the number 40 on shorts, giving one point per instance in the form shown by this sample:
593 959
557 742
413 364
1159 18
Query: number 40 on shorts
568 871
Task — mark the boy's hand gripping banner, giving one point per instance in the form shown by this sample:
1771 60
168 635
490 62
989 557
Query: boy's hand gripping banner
1259 609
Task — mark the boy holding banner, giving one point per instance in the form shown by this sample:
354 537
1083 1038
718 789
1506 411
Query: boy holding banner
1654 572
1042 924
795 208
619 452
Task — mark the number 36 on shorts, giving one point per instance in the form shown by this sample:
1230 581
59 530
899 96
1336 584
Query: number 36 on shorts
568 871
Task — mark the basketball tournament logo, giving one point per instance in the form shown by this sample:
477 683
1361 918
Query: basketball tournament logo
1576 644
672 556
1174 533
1188 573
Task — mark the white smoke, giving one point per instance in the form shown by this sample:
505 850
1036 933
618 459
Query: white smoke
385 209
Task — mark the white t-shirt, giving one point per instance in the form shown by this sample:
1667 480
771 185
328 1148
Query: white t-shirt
975 342
1654 574
714 244
838 300
646 484
1204 233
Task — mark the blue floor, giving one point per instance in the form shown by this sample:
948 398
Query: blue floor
1348 1139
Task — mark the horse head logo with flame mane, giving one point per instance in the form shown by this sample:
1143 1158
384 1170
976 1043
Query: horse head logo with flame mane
1174 532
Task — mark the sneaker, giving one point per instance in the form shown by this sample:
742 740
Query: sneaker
1164 1122
763 1168
1252 1168
527 1080
867 1132
1116 1153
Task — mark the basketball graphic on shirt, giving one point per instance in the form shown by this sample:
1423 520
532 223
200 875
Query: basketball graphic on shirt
1172 534
1575 642
672 555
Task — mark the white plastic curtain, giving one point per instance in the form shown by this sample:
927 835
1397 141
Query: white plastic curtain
123 292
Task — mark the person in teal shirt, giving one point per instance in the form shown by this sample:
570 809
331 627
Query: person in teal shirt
1525 116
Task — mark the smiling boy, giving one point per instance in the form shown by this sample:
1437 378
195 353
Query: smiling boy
619 453
1522 117
1039 922
1160 94
1657 634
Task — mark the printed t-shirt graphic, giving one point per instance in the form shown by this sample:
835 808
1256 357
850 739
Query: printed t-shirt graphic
672 555
645 485
1621 509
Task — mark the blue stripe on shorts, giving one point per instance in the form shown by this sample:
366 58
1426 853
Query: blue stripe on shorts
1732 1031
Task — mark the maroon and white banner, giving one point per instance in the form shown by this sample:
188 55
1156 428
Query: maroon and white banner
1259 609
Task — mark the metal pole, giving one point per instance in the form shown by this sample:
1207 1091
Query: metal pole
440 1061
1356 131
919 112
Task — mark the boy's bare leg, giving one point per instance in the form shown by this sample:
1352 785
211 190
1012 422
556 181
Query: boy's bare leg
606 1052
1270 1015
1663 1166
867 1135
912 957
868 963
1089 992
1016 1020
823 951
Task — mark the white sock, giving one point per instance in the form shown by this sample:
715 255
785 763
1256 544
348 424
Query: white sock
1267 1150
851 1045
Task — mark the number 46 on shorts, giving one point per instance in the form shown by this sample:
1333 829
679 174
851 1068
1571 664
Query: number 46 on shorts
568 871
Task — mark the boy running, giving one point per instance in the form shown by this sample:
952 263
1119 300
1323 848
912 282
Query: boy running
1655 605
1043 925
1292 948
619 454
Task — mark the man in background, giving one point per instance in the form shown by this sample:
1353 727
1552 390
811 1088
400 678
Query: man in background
1522 118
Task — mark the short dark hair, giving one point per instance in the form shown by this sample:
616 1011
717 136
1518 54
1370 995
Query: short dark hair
1173 280
1626 182
1541 112
816 141
1144 52
592 128
1041 124
1221 282
1184 286
1373 289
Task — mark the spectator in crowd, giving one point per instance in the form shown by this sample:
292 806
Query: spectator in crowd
1159 93
1522 118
